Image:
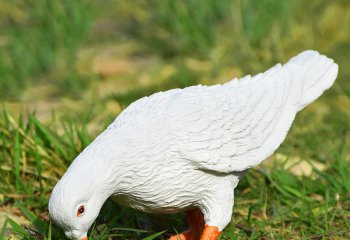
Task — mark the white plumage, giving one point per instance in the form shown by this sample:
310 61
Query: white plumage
187 148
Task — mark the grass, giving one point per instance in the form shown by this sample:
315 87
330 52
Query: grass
87 61
270 202
40 40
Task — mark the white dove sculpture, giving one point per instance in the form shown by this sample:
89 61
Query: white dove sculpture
185 150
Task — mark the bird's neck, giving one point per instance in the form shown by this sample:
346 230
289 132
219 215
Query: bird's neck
108 168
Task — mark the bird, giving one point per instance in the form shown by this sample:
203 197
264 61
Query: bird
185 150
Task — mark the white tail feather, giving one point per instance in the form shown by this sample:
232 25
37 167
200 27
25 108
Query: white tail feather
319 73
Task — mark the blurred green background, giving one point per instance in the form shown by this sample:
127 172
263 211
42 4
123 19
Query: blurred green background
92 49
67 68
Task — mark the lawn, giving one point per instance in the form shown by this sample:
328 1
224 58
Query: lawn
68 68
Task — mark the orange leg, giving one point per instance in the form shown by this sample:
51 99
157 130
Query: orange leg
210 233
196 222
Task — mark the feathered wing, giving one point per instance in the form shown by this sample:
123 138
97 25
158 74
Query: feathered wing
237 125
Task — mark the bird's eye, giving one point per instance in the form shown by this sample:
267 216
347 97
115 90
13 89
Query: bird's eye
81 210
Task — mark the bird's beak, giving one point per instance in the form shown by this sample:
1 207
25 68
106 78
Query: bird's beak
84 238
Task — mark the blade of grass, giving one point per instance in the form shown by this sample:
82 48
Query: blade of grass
49 234
39 224
17 228
153 236
16 161
3 230
50 138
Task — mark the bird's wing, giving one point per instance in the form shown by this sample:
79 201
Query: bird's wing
237 125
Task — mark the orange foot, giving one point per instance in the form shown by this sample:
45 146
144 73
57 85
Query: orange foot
196 222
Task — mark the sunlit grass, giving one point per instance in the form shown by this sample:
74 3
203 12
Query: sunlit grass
270 201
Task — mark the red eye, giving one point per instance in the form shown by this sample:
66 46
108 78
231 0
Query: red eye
80 211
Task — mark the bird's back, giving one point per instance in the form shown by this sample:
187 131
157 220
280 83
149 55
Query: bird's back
228 127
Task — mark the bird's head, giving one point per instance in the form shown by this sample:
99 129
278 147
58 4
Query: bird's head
76 200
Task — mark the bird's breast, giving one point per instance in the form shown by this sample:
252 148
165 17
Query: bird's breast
165 188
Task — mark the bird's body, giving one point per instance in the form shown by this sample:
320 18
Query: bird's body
187 148
155 175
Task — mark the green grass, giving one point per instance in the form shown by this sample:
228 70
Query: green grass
155 45
270 202
40 41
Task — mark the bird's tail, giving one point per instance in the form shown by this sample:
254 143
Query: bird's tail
319 73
